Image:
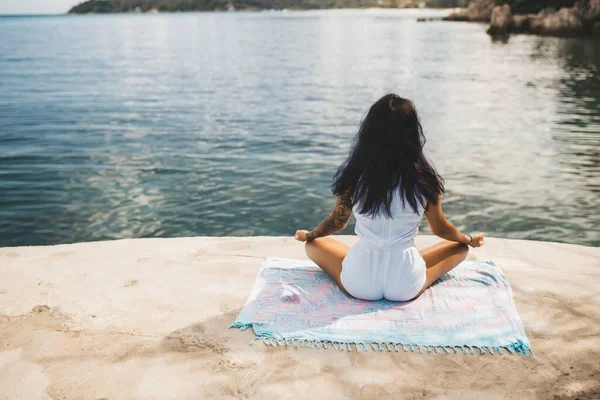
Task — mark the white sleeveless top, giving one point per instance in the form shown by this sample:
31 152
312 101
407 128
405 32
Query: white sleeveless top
403 227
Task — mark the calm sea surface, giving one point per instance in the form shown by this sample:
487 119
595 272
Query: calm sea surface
125 126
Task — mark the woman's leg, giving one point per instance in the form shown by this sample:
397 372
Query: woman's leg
440 251
328 254
440 259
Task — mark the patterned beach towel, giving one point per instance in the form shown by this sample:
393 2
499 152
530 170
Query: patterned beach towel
294 303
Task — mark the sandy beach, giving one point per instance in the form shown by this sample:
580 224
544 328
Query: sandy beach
148 319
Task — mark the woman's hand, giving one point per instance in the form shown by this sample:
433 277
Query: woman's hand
301 236
477 240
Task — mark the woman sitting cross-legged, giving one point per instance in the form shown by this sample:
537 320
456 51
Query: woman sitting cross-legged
389 185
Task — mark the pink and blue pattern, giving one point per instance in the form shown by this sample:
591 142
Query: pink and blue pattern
295 303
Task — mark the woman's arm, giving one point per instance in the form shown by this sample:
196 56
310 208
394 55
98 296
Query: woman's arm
443 228
336 221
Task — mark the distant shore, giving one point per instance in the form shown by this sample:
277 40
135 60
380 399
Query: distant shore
114 7
581 19
249 10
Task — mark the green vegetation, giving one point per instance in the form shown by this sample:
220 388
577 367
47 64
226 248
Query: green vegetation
534 6
116 6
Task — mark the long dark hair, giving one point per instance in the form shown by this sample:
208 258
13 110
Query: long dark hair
387 155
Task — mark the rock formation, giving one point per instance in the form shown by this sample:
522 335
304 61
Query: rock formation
520 23
478 11
578 19
589 10
501 20
564 22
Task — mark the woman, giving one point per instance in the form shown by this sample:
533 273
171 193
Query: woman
388 184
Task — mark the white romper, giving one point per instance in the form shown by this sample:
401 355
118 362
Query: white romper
385 263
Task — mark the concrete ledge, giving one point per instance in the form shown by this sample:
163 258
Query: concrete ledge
148 318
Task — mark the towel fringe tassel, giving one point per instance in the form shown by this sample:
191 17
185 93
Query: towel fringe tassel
517 347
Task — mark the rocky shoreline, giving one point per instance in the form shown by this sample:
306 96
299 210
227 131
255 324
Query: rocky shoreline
582 19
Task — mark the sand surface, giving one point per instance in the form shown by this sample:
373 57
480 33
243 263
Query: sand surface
148 319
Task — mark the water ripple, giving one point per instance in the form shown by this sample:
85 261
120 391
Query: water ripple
234 123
